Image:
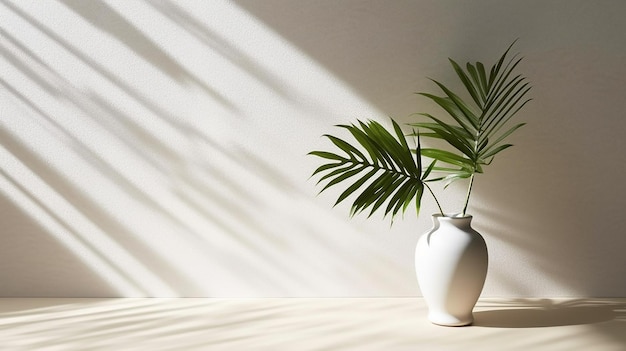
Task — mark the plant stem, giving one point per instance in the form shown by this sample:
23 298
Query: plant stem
469 191
434 197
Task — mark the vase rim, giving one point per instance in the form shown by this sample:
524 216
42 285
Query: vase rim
453 216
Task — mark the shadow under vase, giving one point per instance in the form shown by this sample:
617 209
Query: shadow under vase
550 316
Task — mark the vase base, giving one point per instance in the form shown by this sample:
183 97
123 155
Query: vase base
447 320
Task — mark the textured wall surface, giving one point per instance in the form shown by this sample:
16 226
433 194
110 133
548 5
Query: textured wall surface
157 148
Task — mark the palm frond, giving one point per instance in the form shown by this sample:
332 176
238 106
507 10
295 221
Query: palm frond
475 132
384 166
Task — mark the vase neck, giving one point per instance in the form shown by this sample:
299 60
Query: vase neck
459 222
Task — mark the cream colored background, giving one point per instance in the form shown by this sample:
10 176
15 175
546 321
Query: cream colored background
157 148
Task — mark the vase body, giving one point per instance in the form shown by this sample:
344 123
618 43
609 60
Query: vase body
451 265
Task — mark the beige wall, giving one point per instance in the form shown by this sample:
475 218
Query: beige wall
158 148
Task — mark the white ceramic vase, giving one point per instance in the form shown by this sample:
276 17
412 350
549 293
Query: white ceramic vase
451 265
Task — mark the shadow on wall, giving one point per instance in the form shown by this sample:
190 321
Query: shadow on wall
370 45
110 21
557 198
155 197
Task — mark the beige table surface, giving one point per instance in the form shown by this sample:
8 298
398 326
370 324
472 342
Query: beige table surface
307 324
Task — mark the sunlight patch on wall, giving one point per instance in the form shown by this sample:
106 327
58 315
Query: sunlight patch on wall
62 220
165 145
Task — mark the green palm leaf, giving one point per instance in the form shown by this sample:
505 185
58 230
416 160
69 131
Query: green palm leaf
474 131
391 175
